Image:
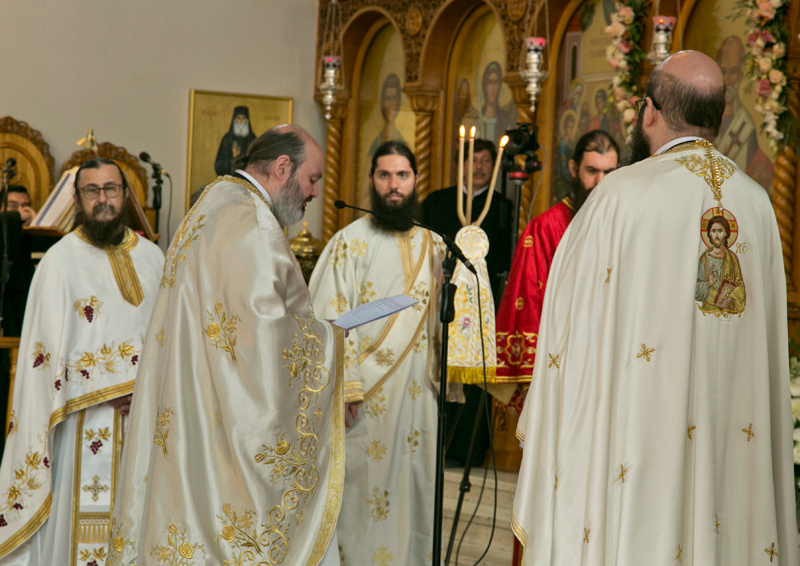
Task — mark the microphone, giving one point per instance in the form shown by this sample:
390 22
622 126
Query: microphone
144 156
10 162
448 241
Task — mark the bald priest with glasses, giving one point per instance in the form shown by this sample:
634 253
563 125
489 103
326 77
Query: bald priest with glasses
87 312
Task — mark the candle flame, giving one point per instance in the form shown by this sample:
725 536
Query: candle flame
462 131
472 132
661 21
504 141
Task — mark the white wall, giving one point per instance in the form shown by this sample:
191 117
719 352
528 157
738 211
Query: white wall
125 68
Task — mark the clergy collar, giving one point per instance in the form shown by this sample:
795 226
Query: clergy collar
676 142
122 265
256 184
476 192
129 240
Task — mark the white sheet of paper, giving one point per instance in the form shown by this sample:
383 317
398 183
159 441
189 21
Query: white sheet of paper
374 310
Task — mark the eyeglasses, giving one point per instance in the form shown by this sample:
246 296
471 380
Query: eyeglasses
91 192
641 102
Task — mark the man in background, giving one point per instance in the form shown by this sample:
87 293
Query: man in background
19 201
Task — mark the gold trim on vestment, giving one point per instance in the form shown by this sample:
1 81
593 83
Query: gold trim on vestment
33 524
402 357
520 435
426 248
122 265
471 375
353 391
76 489
333 500
245 184
88 400
519 532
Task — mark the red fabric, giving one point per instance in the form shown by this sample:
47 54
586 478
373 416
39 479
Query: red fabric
521 306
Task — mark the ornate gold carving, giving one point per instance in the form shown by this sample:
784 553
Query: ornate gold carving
222 330
413 20
175 553
376 450
177 251
783 201
9 125
88 309
424 106
162 429
333 164
516 9
646 352
379 505
122 157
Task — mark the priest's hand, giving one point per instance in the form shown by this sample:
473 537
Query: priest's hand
122 403
350 410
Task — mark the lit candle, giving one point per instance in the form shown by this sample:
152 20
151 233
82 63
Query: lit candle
488 203
460 182
469 173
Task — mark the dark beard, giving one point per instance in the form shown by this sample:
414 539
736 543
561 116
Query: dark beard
639 146
406 210
102 234
577 195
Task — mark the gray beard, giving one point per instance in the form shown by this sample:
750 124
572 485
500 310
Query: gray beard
241 130
288 203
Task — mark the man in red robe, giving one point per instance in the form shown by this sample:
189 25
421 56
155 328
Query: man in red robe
596 155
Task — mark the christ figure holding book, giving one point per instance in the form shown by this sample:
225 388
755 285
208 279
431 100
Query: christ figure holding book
720 287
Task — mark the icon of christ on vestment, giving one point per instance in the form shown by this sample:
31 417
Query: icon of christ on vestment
720 287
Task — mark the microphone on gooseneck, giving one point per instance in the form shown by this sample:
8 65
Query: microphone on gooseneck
448 241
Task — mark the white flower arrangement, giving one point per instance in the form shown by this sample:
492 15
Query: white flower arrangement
794 388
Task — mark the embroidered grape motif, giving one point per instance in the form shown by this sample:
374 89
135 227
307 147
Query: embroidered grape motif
39 360
95 446
88 311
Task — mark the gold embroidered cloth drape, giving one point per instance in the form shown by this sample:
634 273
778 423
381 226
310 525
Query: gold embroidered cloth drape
235 448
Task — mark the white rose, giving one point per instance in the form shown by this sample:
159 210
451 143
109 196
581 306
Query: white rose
621 105
779 50
776 3
616 81
796 409
764 64
794 387
628 115
757 49
797 454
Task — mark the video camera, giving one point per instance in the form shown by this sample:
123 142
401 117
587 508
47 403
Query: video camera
523 140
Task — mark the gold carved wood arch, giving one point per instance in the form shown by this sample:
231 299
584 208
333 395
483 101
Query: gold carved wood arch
35 166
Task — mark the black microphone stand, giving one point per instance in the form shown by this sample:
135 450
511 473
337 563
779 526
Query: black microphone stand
5 264
157 193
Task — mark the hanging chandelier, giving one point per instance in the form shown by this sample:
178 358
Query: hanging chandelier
332 77
534 74
662 39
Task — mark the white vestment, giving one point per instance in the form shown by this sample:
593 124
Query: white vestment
390 368
82 337
235 449
657 429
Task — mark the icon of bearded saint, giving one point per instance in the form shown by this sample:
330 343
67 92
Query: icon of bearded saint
235 142
720 287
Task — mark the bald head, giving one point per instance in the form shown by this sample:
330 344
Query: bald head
690 91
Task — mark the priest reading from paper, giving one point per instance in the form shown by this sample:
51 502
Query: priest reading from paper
390 367
82 340
657 429
236 444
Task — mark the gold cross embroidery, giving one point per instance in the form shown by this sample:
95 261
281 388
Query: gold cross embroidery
771 552
609 275
95 488
646 352
556 486
622 473
690 430
586 535
680 550
161 337
716 521
554 360
749 432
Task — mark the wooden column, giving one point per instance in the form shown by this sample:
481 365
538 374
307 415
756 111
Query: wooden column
333 169
523 102
424 104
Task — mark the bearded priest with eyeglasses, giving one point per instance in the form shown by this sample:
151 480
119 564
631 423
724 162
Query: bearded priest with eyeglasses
83 332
